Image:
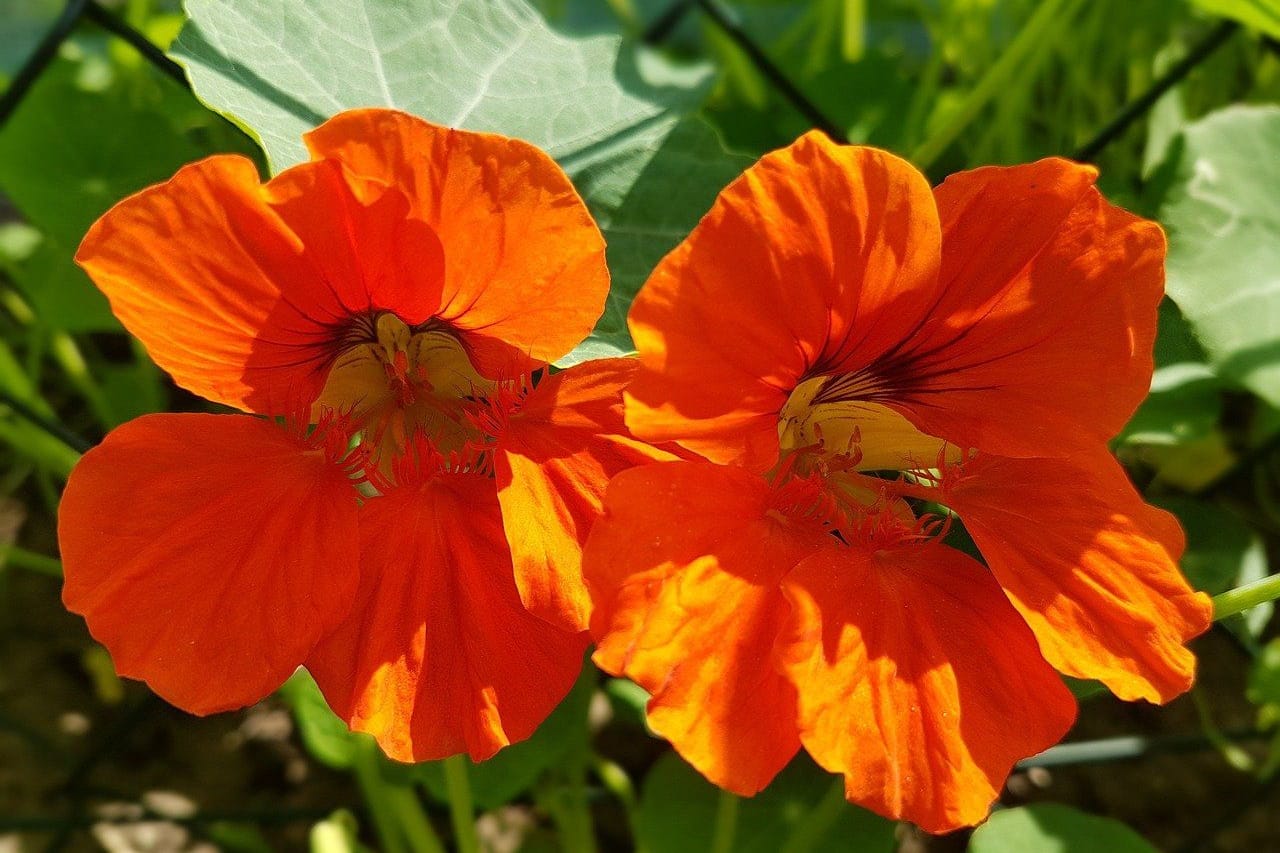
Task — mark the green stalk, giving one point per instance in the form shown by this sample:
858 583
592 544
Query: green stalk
461 809
43 449
617 782
1016 61
1240 599
67 354
376 790
12 555
402 801
726 823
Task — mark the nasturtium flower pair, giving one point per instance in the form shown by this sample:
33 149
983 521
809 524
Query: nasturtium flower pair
836 363
409 284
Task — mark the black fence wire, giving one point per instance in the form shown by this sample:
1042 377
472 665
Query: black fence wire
79 12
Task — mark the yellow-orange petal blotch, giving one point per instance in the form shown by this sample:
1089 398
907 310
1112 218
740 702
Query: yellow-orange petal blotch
819 253
1090 566
554 457
438 656
208 553
916 680
683 570
245 292
524 260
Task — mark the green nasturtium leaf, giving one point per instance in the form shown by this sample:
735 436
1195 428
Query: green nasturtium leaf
678 810
1223 215
1261 15
325 736
1185 403
646 203
627 699
1053 828
1223 552
281 68
609 112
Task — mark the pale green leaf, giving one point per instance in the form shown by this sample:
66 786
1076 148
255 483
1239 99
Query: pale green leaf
279 69
1223 216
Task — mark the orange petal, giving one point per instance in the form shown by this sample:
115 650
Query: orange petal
683 570
1091 568
241 291
916 680
555 456
524 261
1040 343
438 656
818 254
208 553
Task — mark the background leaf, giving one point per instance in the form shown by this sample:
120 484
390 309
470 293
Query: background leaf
516 768
282 68
1223 216
678 808
1053 828
646 202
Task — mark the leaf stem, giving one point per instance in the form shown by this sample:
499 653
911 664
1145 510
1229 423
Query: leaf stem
375 790
726 823
461 809
1241 598
617 782
12 555
403 802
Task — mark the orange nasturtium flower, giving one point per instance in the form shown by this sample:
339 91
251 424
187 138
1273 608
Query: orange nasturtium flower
407 284
849 349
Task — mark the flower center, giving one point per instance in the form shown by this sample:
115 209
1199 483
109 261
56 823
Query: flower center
844 429
828 433
404 382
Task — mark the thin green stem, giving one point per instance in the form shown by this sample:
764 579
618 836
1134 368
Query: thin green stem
376 790
616 781
403 802
1016 61
726 823
12 555
461 809
47 451
821 817
581 826
1230 752
66 352
1240 599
